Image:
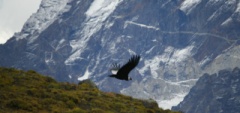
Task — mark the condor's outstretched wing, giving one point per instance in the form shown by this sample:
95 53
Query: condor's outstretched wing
125 69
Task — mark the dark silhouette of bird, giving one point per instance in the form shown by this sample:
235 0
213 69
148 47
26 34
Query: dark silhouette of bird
122 73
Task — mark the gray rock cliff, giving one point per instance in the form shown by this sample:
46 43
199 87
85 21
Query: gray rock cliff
217 93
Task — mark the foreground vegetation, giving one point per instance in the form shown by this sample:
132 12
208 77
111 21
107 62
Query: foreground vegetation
23 92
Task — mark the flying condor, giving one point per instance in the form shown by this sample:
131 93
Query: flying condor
122 72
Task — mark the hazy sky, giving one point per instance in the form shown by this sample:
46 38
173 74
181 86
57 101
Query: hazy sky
13 14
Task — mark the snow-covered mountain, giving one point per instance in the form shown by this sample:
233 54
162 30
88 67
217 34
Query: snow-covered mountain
14 14
178 41
216 93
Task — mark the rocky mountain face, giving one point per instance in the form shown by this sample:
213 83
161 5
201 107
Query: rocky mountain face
177 40
216 93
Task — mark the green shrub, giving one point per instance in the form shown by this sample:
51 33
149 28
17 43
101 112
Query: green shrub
18 104
77 110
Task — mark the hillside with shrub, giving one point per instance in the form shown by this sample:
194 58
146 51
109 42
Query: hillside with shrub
23 92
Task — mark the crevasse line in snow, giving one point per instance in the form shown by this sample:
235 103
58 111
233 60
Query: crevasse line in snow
141 25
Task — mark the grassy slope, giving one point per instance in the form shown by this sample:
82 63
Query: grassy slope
22 92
